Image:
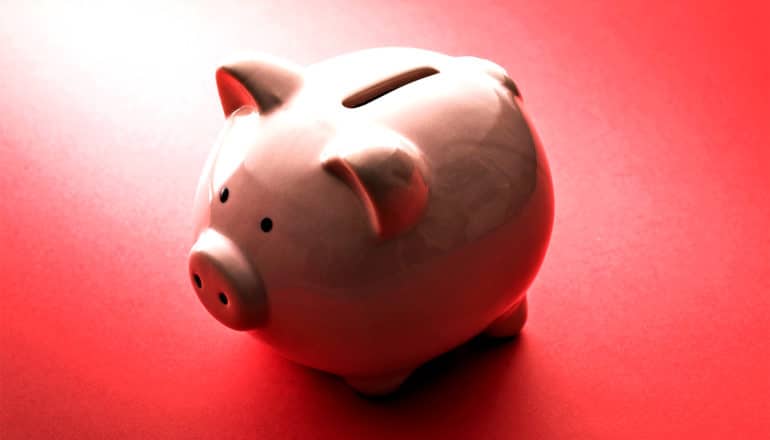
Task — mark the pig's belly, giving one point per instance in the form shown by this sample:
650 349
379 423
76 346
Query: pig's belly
398 323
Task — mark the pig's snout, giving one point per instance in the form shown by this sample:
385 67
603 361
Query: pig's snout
226 282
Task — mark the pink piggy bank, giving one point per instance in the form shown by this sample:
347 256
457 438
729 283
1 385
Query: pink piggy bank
367 213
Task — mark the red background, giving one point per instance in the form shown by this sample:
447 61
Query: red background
650 316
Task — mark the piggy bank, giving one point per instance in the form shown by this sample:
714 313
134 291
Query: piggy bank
369 212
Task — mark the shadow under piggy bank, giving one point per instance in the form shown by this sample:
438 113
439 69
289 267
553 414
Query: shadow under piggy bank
494 355
464 393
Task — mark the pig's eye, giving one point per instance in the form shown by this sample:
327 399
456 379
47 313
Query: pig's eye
224 194
266 224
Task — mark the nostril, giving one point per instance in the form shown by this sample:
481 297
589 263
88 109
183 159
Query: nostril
266 224
223 298
197 280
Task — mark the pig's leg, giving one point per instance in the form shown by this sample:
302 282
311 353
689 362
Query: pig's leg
510 322
378 385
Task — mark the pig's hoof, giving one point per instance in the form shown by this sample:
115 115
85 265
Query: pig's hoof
377 386
510 323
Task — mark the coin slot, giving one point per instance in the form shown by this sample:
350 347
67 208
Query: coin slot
384 87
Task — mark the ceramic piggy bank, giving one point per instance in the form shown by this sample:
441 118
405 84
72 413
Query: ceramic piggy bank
367 213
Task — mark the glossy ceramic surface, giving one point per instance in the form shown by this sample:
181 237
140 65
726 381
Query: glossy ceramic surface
367 213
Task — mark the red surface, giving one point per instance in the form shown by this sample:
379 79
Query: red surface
649 318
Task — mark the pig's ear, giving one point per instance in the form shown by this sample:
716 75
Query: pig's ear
388 176
492 69
262 81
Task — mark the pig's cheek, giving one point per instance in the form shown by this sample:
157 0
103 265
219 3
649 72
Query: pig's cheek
202 207
204 192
